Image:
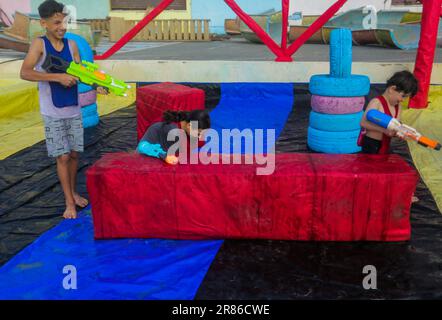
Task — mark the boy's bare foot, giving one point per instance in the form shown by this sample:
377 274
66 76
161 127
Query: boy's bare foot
80 201
414 199
70 212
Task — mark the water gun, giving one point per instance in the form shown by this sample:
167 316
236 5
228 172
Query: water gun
87 73
155 150
402 131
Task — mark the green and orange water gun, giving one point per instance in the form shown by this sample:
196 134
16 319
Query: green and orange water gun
87 73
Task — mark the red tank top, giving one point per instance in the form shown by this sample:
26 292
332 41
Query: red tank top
385 146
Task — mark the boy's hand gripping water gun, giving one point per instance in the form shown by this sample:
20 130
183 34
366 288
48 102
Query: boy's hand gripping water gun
155 150
402 131
87 73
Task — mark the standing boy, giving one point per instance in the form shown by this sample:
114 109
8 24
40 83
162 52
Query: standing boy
58 96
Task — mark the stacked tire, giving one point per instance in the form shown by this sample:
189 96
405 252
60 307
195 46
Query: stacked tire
87 96
337 100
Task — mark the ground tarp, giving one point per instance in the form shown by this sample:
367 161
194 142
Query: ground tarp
105 270
31 202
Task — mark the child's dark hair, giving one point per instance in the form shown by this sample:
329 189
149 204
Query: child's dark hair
50 7
201 116
404 81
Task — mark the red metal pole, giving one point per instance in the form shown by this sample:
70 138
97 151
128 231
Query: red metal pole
133 32
318 24
425 52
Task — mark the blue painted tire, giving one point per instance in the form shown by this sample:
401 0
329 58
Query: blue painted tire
84 48
333 142
90 110
87 98
336 122
90 121
337 105
353 86
82 88
340 53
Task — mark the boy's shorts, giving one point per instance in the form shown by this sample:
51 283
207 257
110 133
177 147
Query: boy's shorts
63 135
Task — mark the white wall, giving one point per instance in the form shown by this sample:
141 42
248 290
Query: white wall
316 7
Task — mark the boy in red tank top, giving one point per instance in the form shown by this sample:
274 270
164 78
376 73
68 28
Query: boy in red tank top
375 139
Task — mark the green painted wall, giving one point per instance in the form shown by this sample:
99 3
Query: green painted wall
86 9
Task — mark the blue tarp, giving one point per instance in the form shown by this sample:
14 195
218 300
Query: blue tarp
108 269
253 106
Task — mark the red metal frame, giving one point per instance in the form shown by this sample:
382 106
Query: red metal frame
281 51
133 32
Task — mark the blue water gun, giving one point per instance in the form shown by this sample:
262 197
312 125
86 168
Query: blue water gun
156 151
402 131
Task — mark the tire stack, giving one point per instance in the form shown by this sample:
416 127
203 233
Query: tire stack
87 96
337 100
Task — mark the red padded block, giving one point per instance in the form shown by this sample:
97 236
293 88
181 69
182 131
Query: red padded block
231 201
308 197
368 195
153 100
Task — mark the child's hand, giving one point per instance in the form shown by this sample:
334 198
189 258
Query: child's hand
171 160
67 80
102 90
391 133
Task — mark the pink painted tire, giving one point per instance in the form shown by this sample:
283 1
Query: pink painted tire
87 98
337 105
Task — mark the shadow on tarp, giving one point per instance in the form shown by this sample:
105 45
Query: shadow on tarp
105 269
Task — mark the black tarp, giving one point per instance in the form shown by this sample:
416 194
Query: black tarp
31 202
246 269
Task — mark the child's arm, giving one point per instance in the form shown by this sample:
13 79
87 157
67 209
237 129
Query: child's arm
27 71
374 105
150 143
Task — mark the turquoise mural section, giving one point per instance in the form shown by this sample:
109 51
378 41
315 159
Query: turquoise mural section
217 10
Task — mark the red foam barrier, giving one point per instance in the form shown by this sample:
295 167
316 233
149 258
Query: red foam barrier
308 197
153 100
